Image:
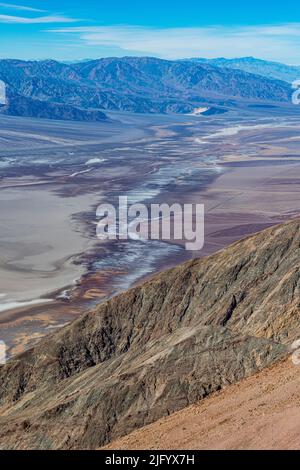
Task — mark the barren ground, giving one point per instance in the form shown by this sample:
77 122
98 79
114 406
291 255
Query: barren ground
261 412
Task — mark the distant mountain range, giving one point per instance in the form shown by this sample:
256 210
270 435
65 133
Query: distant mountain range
82 90
272 70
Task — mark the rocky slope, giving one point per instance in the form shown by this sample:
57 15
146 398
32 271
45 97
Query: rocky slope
157 348
259 413
136 84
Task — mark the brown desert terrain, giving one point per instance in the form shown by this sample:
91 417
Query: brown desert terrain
261 412
165 345
57 254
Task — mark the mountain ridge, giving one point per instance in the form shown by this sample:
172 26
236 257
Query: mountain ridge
157 348
133 84
265 68
242 416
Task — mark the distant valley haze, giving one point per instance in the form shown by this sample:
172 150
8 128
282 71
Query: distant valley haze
73 60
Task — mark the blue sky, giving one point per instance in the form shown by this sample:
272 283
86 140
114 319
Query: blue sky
68 30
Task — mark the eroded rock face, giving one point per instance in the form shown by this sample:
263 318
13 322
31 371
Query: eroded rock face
156 348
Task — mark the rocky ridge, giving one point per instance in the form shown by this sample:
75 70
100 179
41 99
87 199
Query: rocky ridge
157 348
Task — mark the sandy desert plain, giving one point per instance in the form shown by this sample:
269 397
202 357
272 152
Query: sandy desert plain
244 166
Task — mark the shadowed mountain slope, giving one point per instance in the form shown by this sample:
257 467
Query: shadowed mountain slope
265 68
157 348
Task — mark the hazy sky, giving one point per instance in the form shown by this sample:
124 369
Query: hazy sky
69 30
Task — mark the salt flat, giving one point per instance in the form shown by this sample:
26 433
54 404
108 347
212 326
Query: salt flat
37 241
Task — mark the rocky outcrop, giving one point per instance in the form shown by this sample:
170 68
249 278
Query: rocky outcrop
156 348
